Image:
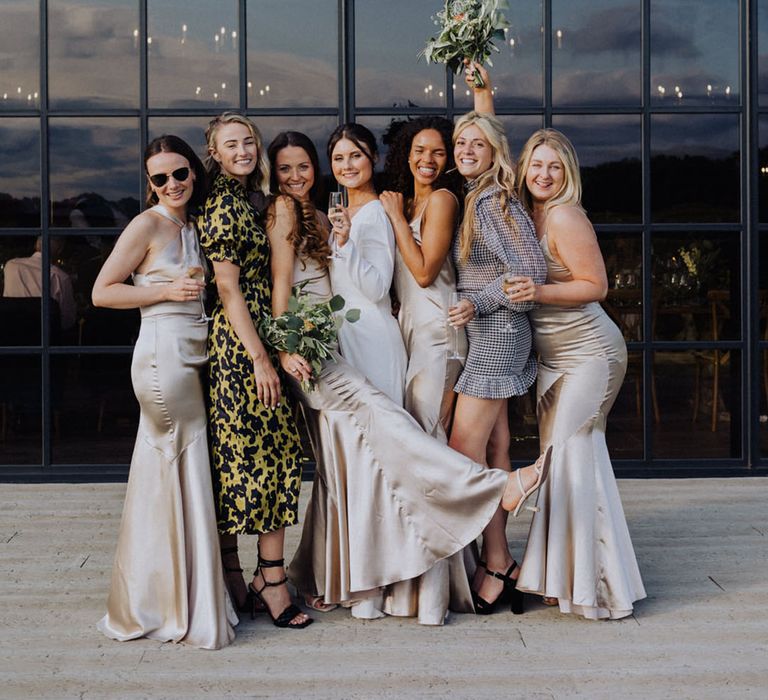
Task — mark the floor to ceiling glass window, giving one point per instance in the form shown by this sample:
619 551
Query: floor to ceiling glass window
665 101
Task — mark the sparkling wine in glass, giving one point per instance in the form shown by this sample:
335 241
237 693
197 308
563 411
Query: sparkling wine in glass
196 272
335 203
453 336
507 282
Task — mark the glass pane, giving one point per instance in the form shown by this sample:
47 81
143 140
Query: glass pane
764 403
193 53
610 153
20 55
93 53
596 52
762 155
20 172
694 52
95 413
523 426
19 306
697 403
80 258
763 285
317 128
519 127
624 433
95 166
388 72
696 286
293 73
695 172
623 255
517 68
762 52
20 410
191 129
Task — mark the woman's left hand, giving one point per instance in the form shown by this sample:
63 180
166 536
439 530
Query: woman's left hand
296 366
461 314
522 289
393 205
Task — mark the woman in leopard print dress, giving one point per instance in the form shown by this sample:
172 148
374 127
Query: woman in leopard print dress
254 440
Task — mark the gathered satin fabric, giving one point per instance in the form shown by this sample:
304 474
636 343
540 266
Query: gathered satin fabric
429 398
167 581
579 549
388 501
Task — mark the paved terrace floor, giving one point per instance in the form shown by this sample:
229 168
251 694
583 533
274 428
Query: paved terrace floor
702 632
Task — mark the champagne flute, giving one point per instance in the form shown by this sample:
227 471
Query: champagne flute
335 202
196 272
453 354
507 282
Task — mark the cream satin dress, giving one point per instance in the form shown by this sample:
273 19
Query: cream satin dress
388 501
579 549
429 398
167 581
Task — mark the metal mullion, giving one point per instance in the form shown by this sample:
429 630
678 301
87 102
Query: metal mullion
646 242
91 349
242 55
547 62
20 350
87 113
143 91
45 216
346 61
662 227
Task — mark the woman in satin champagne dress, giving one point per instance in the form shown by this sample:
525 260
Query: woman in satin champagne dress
579 554
423 207
167 582
389 501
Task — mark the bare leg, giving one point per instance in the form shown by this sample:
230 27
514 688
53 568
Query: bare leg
276 597
473 424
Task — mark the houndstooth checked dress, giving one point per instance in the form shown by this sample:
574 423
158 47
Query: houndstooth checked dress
500 362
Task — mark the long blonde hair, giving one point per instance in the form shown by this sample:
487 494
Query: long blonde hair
501 173
570 192
258 180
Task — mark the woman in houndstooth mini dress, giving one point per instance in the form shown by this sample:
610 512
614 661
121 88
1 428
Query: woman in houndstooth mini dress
496 238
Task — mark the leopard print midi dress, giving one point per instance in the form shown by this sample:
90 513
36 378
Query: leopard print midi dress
255 451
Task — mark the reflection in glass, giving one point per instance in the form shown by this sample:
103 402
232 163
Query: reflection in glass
695 173
763 284
609 151
624 433
301 73
763 414
20 410
696 286
193 53
762 174
20 172
698 398
694 52
762 52
93 53
191 129
517 68
519 127
20 55
19 312
95 413
95 166
623 264
395 78
523 426
596 52
81 258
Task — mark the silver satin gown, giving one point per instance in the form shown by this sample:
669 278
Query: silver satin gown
579 550
167 581
388 501
429 398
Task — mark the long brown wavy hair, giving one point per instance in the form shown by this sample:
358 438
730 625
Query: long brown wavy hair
308 237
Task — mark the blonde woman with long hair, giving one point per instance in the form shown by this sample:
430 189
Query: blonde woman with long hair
496 239
254 441
579 552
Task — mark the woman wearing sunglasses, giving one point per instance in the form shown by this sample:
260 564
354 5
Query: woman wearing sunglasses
254 440
166 581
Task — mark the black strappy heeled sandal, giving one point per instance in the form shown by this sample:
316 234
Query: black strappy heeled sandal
247 602
508 594
291 611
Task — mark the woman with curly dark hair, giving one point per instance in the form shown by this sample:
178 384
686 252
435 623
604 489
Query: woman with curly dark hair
423 207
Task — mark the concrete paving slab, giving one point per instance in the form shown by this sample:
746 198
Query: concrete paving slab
702 633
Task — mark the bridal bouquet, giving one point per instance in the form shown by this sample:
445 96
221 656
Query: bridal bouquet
467 30
308 328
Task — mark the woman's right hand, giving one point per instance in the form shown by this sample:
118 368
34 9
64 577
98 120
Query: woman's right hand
296 366
267 381
183 289
341 225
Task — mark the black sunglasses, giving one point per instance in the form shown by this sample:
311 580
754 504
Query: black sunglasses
160 179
